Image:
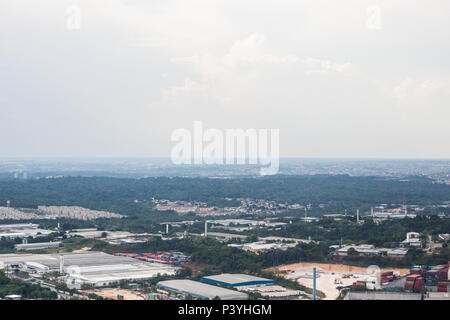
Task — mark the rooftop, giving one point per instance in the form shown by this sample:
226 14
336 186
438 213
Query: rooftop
202 290
239 279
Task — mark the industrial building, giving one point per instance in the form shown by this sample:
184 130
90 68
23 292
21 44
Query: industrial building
243 224
382 295
239 280
111 274
22 230
371 250
201 290
90 267
37 246
225 236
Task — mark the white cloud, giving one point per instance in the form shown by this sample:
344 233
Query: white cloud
307 67
413 91
247 64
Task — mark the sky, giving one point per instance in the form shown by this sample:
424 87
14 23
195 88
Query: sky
111 78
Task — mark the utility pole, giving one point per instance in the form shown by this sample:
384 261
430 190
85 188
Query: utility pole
314 283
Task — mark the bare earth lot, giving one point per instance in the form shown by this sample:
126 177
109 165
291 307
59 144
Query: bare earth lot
113 293
330 276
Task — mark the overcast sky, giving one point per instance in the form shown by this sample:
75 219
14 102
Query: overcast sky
335 77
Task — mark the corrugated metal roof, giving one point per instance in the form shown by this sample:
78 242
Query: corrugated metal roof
202 290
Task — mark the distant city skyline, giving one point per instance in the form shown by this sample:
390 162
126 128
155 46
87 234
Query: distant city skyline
340 80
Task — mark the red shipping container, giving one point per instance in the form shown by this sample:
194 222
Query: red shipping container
412 277
409 286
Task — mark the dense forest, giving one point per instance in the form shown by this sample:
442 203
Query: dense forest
27 291
118 195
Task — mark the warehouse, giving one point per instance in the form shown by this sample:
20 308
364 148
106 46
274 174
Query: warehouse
38 245
52 261
381 295
225 236
201 290
239 280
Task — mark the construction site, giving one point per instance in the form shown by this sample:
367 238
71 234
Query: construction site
371 283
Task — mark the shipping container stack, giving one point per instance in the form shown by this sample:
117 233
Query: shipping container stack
438 274
414 282
387 276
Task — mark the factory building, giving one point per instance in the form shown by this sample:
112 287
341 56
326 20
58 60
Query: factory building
201 290
37 246
239 281
412 239
371 250
91 267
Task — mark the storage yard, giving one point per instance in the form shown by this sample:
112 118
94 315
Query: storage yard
329 276
380 295
252 284
117 294
37 246
434 278
275 291
54 212
111 274
201 290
